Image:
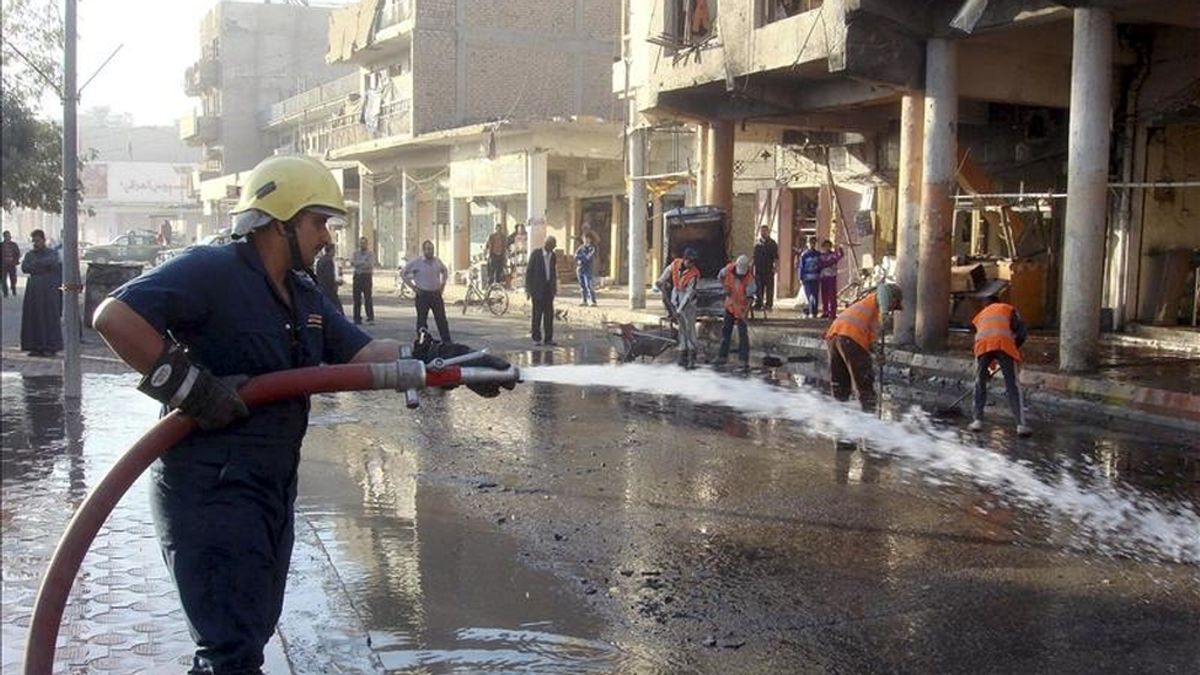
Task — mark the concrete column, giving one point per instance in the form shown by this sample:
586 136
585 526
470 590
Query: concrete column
699 192
908 215
366 213
616 245
1087 177
719 165
785 237
656 244
574 228
937 213
637 219
459 254
535 200
409 241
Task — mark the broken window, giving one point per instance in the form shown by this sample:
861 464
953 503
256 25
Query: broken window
770 11
687 22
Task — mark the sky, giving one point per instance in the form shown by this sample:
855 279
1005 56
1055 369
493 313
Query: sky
145 79
161 39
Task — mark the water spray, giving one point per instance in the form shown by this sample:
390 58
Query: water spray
1109 519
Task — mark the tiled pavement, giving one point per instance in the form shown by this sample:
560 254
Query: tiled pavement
123 614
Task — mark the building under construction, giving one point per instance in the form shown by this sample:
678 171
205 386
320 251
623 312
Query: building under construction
1049 148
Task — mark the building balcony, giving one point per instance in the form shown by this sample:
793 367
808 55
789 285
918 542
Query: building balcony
325 100
199 129
393 120
202 76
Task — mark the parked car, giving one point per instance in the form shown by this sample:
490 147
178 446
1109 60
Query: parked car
134 245
215 239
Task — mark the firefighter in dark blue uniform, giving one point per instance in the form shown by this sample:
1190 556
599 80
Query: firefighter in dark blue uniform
223 499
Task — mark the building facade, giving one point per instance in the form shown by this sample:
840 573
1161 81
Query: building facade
1052 142
252 55
472 114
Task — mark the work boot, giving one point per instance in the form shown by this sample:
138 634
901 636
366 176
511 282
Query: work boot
745 367
683 358
691 359
1024 431
720 361
975 425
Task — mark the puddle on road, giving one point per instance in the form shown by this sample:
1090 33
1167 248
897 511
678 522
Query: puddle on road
437 591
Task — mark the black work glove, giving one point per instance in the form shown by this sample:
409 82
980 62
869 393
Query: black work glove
178 383
214 402
427 349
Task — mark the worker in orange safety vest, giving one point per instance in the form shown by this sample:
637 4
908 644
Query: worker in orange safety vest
738 279
678 285
849 340
999 334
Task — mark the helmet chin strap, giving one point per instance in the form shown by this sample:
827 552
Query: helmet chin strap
289 233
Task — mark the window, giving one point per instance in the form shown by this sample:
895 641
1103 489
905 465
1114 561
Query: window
770 11
687 22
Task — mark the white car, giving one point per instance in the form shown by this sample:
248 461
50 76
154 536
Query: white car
215 239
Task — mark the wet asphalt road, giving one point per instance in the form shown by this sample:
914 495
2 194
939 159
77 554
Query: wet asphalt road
561 529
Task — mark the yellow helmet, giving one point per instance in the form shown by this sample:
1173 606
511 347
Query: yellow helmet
282 186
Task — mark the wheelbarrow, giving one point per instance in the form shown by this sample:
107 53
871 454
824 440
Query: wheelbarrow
632 343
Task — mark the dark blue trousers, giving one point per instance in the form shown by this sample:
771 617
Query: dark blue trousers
727 338
224 518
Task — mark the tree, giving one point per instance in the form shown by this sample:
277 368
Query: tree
30 147
31 157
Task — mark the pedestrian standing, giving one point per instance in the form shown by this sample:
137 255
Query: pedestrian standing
497 248
809 271
585 261
10 254
163 237
678 283
427 277
223 498
328 277
829 272
541 285
849 341
363 261
41 311
999 334
766 254
518 246
738 278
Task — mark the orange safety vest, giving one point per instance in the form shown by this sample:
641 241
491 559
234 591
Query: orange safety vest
993 330
857 322
736 301
680 277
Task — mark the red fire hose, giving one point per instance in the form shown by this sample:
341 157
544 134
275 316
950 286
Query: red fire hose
404 375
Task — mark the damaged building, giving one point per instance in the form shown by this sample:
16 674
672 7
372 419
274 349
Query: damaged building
1049 149
472 114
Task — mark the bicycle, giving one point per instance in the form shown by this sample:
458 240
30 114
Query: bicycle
494 297
402 289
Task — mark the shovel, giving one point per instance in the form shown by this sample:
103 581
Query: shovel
952 409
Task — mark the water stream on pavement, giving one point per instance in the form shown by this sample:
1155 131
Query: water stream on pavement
1106 518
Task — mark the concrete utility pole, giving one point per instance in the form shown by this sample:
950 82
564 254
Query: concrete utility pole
908 227
637 214
71 325
937 207
1087 179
